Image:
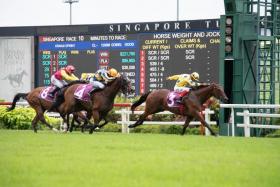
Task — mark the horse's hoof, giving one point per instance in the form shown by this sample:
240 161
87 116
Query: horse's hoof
95 127
55 130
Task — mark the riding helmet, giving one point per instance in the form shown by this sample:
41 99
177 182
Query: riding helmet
195 76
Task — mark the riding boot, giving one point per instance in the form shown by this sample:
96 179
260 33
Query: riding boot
179 100
57 101
181 95
52 93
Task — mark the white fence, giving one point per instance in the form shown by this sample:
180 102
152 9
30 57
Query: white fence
246 116
125 119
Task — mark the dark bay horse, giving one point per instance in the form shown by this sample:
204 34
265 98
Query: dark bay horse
38 104
100 104
156 101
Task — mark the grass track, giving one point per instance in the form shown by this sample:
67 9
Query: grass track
114 159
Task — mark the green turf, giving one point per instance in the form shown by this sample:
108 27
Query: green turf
114 159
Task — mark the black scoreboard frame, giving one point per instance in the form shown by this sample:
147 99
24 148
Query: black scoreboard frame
147 29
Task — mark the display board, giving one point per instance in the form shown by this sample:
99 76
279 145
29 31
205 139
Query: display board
146 58
17 66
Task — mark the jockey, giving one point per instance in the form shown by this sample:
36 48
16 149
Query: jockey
86 76
184 82
101 78
62 77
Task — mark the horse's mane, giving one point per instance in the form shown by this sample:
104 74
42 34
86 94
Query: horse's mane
204 85
111 82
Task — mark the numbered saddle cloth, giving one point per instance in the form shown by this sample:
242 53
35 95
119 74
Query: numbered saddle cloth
44 94
82 92
172 98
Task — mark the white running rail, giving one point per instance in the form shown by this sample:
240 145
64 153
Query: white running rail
246 116
125 119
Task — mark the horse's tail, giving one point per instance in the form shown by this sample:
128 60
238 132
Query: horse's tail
15 100
139 101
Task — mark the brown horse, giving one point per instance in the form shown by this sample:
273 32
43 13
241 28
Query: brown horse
100 104
39 105
156 101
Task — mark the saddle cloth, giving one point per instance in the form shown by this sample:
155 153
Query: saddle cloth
174 96
44 94
82 92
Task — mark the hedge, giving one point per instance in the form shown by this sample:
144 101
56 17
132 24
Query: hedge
21 118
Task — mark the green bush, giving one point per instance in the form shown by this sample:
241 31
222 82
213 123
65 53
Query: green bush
275 134
111 127
20 118
276 121
155 129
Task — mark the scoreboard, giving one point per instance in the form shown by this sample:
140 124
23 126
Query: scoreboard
147 58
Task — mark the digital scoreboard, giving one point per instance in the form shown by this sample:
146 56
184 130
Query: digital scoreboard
146 57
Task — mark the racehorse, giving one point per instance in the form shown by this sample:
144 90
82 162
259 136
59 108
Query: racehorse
38 104
100 103
156 101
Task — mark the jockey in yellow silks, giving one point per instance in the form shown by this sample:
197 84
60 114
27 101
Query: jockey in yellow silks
185 81
100 78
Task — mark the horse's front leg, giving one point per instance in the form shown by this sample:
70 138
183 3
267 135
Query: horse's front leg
86 118
105 122
187 122
201 119
96 117
65 123
74 119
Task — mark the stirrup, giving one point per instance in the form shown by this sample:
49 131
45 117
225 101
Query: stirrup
51 95
179 101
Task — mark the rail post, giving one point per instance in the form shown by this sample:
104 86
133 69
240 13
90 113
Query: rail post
246 123
232 122
207 119
128 119
125 119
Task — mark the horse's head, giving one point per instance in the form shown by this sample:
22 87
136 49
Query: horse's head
126 87
219 93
